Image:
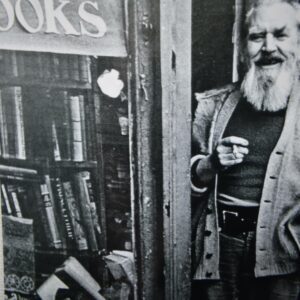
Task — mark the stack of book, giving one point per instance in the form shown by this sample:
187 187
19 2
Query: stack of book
47 66
70 135
64 210
53 124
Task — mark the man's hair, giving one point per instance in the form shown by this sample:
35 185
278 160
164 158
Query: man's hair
257 3
248 14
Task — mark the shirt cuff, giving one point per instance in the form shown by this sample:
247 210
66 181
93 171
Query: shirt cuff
194 162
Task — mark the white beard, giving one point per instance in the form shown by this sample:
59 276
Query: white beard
269 89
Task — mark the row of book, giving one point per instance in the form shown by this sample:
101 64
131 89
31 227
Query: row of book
45 123
45 66
64 210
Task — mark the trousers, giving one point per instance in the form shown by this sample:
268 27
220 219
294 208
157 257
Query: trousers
237 261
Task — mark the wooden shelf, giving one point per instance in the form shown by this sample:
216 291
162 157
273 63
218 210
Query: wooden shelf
46 163
64 84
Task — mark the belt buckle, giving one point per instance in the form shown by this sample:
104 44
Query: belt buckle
228 213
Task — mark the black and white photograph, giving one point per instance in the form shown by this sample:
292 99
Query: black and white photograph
150 150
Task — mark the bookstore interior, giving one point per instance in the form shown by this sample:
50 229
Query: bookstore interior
64 150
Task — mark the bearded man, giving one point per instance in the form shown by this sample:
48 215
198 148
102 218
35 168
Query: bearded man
246 226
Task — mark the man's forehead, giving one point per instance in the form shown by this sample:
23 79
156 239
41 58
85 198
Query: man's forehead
273 17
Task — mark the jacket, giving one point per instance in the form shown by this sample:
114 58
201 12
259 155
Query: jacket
278 224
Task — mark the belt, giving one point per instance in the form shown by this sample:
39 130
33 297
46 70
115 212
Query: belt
235 220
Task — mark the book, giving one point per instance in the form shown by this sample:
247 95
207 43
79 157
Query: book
61 134
46 58
19 261
21 64
56 148
74 63
20 134
7 64
121 265
65 219
3 129
76 219
86 177
66 126
56 66
83 126
14 64
71 274
12 106
50 223
85 208
18 171
64 67
5 200
8 106
14 200
84 68
76 125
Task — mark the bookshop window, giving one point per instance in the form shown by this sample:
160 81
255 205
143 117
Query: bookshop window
64 171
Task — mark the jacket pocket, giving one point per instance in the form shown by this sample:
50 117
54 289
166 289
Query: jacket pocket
289 231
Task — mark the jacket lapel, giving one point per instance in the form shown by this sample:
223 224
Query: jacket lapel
222 116
290 119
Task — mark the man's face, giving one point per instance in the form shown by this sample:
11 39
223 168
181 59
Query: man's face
272 37
271 56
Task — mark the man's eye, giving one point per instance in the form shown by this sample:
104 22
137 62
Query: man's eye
281 36
256 37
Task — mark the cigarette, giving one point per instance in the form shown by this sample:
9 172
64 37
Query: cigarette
235 150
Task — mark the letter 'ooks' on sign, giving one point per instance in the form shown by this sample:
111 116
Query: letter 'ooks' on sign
92 27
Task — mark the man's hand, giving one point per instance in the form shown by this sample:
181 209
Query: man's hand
231 151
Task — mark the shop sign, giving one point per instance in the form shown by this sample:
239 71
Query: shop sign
91 27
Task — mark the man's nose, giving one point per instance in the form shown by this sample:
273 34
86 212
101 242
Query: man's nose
269 45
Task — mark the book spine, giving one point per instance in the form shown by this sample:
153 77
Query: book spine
74 67
20 134
47 65
74 213
17 171
56 66
11 190
75 60
16 204
83 125
85 208
67 125
76 129
88 131
29 60
6 200
84 68
14 64
88 183
55 240
7 64
64 67
21 64
2 56
90 123
40 66
43 236
65 218
8 99
56 148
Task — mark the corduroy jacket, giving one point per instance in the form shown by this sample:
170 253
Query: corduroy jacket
278 224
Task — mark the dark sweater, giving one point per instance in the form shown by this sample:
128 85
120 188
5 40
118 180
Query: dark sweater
262 129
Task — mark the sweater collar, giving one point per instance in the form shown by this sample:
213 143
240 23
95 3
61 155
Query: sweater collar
227 108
